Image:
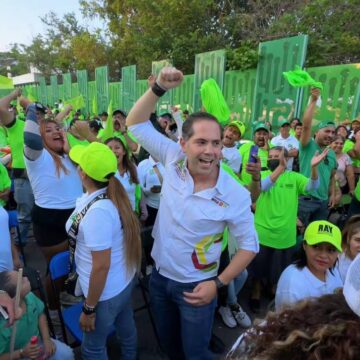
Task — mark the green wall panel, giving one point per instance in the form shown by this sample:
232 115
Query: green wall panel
67 86
92 94
54 89
61 92
128 84
183 95
141 87
42 97
164 103
82 80
115 94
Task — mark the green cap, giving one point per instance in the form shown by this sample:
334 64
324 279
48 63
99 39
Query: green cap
284 122
323 231
324 124
239 125
261 126
96 160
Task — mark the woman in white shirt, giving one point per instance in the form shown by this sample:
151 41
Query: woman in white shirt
127 175
108 252
313 274
54 180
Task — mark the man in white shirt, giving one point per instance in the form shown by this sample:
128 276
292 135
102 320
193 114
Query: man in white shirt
289 142
198 200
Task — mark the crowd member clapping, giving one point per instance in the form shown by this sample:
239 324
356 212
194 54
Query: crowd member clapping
108 252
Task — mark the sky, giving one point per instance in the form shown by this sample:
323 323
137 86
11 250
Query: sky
20 19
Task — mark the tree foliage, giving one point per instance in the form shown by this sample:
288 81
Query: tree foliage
142 31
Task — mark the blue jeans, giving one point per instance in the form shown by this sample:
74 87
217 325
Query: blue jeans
117 312
24 198
184 329
311 209
235 286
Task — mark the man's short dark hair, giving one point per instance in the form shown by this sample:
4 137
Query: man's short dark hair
104 113
121 112
188 125
298 124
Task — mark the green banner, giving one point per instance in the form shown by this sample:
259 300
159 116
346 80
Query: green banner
128 87
42 97
115 94
208 65
82 80
274 98
183 95
340 97
54 89
67 86
239 95
102 88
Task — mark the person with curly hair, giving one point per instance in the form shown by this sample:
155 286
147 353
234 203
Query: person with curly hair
323 328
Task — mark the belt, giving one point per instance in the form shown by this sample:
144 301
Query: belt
309 197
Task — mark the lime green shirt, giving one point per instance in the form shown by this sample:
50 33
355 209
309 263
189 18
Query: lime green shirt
74 141
26 327
276 210
16 142
3 136
244 150
349 145
325 168
5 182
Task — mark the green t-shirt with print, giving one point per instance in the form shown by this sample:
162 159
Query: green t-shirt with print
325 168
5 182
276 210
244 150
26 327
349 145
16 142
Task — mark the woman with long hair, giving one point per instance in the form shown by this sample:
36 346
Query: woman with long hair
107 254
54 181
127 174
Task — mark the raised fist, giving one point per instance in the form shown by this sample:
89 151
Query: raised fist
169 78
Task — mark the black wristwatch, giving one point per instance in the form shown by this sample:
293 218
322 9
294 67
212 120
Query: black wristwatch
219 284
88 310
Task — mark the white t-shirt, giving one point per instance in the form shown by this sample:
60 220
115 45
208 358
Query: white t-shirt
6 260
128 186
148 178
232 157
343 265
189 226
290 143
100 229
52 191
298 284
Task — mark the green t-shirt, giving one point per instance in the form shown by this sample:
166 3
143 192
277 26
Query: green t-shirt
3 136
26 327
74 141
325 168
349 145
244 150
276 210
16 142
5 181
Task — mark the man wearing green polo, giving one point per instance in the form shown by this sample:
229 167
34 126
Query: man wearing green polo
315 205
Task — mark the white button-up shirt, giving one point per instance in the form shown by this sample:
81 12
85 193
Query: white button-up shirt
189 226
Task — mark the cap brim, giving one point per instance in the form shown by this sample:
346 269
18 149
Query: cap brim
321 239
261 128
76 153
283 124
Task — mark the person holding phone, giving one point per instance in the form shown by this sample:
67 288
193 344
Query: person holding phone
257 148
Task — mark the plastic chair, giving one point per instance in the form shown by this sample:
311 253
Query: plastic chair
69 317
14 223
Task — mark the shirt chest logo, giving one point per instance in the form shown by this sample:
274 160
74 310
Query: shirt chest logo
220 202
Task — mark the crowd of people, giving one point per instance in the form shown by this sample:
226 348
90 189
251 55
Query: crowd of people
225 210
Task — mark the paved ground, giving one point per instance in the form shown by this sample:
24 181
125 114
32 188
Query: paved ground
148 349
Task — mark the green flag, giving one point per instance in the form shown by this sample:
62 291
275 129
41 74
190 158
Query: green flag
108 132
214 102
29 93
94 106
76 102
6 83
301 78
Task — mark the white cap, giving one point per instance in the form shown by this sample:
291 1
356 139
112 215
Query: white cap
352 286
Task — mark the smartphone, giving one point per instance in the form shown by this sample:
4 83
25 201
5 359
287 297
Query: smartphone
253 154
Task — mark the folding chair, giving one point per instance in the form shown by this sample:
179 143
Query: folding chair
14 223
69 317
143 279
